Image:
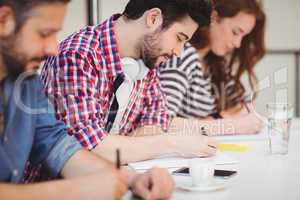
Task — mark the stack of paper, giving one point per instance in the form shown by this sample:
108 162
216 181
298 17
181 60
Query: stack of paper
177 162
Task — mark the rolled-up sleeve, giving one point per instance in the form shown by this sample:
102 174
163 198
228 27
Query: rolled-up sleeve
65 147
52 145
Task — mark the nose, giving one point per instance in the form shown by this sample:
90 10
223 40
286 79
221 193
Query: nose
51 46
237 42
178 50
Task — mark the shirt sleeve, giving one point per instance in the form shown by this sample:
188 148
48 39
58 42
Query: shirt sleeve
72 85
188 89
233 96
52 146
155 111
174 84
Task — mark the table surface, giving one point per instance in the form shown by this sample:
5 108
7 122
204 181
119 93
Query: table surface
261 176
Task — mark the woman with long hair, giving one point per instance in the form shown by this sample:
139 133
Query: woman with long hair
205 82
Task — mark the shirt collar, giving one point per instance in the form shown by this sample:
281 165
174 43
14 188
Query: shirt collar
110 49
108 45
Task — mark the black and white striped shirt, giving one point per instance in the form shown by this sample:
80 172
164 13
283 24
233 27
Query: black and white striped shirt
188 90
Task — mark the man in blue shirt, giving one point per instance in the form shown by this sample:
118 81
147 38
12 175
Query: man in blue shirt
28 128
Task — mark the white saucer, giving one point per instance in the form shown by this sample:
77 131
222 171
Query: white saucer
185 183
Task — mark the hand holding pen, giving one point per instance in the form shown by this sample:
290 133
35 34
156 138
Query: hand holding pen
156 183
204 133
244 103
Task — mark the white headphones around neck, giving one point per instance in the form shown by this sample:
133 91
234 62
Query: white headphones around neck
134 69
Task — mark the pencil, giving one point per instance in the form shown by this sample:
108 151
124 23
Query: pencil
245 104
118 161
203 132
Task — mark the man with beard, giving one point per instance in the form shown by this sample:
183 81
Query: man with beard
29 130
101 89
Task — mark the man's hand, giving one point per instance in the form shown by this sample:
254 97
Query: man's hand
187 140
194 145
154 184
108 184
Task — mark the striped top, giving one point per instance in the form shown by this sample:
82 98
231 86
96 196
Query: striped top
188 88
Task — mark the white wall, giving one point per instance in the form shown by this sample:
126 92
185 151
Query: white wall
276 75
283 30
76 18
107 8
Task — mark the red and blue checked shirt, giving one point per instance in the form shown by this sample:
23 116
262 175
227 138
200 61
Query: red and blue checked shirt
79 81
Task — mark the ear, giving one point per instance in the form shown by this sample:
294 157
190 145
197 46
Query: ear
7 21
154 18
215 18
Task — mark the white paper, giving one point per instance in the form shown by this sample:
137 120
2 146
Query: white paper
220 158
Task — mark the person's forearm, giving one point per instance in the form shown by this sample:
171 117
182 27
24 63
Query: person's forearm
183 139
46 191
134 148
239 110
219 127
84 162
233 110
149 130
204 126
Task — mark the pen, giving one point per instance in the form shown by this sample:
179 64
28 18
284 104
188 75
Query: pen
118 161
245 104
203 132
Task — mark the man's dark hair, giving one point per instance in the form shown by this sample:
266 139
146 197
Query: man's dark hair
172 10
22 8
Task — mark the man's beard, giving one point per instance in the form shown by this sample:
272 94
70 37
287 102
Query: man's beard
13 66
14 62
10 59
151 49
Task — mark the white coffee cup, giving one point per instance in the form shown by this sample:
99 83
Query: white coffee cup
201 171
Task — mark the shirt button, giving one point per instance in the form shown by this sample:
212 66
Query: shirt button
15 172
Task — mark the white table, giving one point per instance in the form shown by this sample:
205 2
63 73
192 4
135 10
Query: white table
261 176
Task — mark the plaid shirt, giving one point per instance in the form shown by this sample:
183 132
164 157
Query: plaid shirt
79 83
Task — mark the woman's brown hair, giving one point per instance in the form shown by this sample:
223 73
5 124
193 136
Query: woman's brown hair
245 58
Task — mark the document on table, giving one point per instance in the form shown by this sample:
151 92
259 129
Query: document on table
220 158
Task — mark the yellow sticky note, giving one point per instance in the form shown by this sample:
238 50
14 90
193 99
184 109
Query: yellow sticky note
233 147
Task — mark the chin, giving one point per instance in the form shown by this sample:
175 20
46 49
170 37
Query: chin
157 65
160 62
32 67
220 53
